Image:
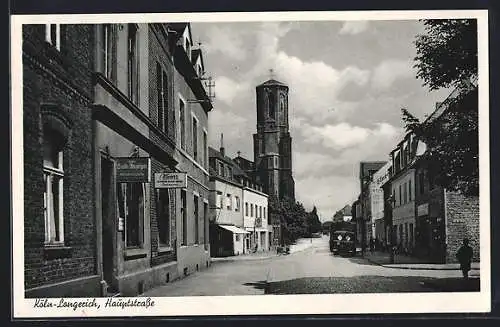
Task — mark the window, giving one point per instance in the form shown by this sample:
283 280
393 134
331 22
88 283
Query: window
260 212
251 210
133 64
409 190
229 172
400 198
163 216
405 193
237 203
53 35
406 235
411 235
131 209
53 174
229 202
188 48
196 220
184 217
162 92
205 225
182 120
237 237
205 147
421 181
393 197
272 103
219 200
195 139
264 213
246 209
221 169
108 54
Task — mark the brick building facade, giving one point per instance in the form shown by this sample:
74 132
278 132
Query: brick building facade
59 227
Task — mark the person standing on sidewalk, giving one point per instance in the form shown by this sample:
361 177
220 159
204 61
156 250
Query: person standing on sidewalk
464 256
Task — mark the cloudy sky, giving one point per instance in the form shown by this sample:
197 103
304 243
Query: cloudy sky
348 82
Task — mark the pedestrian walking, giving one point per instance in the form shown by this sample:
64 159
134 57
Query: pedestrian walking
464 257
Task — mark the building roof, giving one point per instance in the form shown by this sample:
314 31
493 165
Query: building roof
212 153
195 54
272 82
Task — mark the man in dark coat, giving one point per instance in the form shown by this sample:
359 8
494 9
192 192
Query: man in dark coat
464 256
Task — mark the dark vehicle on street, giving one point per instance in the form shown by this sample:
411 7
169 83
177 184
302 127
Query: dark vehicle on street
343 242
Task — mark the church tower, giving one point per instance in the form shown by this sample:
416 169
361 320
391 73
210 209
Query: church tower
272 142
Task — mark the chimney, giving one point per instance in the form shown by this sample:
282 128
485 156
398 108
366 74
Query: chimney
222 144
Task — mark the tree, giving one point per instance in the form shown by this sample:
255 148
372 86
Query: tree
452 142
446 52
447 57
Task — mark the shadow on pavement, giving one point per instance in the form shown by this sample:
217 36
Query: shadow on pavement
371 284
260 285
362 261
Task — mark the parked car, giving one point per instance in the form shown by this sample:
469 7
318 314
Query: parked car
343 242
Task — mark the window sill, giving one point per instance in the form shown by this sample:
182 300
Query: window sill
57 251
165 249
131 254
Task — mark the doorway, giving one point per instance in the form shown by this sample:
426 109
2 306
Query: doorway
107 222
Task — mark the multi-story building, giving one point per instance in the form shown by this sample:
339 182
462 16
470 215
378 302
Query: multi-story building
256 217
402 181
192 98
443 217
227 231
150 230
429 221
364 224
60 257
238 216
378 203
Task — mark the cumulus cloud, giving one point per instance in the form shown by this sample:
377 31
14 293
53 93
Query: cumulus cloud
354 27
228 89
390 71
226 41
343 135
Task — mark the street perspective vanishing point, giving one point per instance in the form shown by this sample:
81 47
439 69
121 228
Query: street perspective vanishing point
169 159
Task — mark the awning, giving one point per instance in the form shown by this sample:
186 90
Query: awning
234 229
257 229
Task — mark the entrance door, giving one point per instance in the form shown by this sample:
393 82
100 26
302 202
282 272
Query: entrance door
107 221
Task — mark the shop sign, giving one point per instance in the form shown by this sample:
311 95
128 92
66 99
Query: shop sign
423 209
133 170
170 180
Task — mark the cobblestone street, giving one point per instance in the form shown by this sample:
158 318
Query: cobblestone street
311 270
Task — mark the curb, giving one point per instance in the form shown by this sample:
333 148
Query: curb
414 268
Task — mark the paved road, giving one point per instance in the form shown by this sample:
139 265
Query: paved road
313 270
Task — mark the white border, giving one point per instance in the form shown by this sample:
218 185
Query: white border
279 304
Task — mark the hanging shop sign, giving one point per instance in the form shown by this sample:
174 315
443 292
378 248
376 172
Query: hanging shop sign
133 170
171 180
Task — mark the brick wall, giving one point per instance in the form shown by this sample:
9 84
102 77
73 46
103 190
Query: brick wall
61 80
462 220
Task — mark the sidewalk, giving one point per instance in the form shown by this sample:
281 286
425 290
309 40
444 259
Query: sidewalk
300 245
249 256
407 262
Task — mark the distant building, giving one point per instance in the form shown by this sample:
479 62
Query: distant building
366 172
377 203
239 208
227 231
